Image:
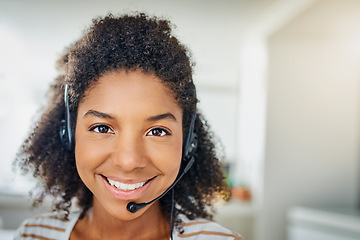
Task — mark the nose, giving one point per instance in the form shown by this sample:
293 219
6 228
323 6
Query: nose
129 153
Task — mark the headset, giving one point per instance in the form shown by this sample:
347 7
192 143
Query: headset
188 159
189 149
66 132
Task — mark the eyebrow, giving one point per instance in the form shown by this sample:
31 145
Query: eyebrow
150 119
161 116
98 114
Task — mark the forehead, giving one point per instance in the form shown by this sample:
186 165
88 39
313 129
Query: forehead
129 90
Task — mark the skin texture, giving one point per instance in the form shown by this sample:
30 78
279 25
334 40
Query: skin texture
129 129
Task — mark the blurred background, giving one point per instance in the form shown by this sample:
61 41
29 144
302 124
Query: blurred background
278 80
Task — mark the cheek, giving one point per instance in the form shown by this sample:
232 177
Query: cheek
167 158
87 155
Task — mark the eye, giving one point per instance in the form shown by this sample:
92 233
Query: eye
101 129
158 132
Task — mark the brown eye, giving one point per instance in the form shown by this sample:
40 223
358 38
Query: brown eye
101 129
158 132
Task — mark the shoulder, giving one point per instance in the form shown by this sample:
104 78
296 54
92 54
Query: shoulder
47 226
201 229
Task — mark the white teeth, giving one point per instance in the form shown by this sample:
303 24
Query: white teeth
124 186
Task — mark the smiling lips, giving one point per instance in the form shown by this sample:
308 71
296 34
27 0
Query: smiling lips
126 187
126 191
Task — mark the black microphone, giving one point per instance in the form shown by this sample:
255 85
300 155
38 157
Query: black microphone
134 207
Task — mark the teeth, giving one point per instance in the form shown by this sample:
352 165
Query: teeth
124 186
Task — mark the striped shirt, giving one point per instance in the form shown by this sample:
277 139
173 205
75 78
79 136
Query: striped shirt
53 226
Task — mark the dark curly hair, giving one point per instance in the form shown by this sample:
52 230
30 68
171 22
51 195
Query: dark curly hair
128 42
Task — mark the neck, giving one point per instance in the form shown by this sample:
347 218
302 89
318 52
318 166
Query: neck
99 224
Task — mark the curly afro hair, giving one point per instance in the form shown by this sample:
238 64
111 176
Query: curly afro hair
128 42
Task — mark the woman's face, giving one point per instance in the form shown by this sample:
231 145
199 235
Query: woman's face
128 140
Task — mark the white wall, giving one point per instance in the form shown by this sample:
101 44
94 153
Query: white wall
312 149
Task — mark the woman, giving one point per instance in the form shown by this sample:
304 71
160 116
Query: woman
122 138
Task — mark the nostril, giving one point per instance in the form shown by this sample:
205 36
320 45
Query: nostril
129 158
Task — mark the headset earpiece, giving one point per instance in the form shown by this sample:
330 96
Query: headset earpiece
190 145
66 135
